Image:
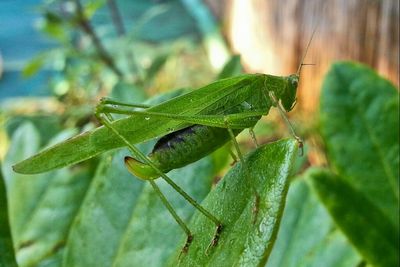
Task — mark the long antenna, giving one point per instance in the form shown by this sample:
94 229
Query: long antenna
305 54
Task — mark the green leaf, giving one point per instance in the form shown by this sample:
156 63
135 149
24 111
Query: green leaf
25 141
363 222
308 236
91 7
46 125
359 123
136 229
123 91
250 223
41 206
7 258
137 129
156 66
53 26
33 66
232 68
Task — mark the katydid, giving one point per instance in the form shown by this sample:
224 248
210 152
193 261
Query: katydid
205 135
190 126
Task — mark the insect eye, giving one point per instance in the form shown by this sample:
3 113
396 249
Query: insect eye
294 83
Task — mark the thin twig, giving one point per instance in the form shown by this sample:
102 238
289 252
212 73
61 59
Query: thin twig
116 17
84 23
120 28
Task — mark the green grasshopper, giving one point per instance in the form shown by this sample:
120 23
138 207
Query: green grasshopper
191 126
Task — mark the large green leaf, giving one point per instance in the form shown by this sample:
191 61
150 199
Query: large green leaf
308 236
364 223
41 206
122 224
25 141
360 126
250 224
7 258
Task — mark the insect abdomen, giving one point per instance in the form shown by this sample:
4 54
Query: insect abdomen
181 148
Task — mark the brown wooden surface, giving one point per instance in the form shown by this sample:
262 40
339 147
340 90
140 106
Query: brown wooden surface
271 36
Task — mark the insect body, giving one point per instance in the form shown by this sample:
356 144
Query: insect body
179 149
192 143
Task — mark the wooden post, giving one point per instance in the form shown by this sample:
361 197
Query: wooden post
271 36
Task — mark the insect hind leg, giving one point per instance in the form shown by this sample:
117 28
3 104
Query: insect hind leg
104 119
102 116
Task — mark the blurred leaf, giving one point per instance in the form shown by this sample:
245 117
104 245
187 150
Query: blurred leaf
25 141
308 236
151 17
359 123
232 68
52 17
33 66
213 40
7 258
155 100
370 230
46 125
156 66
92 6
127 92
53 26
250 224
41 206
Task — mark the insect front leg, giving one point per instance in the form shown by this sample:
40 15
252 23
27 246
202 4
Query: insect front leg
287 121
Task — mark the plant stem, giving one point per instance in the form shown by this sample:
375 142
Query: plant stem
116 17
120 28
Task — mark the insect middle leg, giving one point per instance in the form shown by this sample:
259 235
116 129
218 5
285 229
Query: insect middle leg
234 141
254 189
